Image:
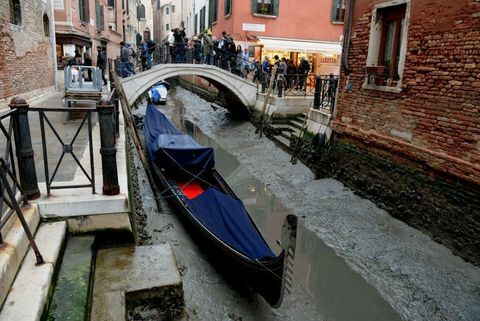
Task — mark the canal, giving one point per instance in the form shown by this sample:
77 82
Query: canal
328 284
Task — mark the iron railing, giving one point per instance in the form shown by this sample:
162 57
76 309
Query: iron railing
67 147
9 185
8 163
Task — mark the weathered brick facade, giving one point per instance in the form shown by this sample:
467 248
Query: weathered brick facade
435 119
413 146
26 56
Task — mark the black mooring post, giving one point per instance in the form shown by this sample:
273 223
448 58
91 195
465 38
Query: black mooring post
23 148
108 149
316 97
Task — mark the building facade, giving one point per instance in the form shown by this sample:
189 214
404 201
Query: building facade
311 29
157 20
145 19
84 25
27 64
408 113
171 16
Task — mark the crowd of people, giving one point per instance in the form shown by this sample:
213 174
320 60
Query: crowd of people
222 52
86 60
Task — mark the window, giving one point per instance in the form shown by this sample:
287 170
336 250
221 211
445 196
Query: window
15 12
141 11
173 8
195 27
266 7
158 4
393 23
99 17
46 25
387 45
202 18
338 10
83 10
111 3
228 7
213 11
146 34
168 27
167 10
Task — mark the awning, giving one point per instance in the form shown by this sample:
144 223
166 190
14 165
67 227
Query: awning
301 45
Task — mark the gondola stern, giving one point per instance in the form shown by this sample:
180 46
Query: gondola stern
288 242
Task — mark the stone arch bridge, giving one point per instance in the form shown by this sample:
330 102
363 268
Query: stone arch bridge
240 89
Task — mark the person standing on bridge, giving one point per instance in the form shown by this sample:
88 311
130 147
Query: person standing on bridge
207 47
102 63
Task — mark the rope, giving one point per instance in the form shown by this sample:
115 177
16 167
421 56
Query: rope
195 176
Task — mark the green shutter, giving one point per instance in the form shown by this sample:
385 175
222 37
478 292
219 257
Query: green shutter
254 6
334 7
275 7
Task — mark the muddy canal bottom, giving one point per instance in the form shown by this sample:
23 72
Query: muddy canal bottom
325 288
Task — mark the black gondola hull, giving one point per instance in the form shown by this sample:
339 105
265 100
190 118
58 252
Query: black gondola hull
265 277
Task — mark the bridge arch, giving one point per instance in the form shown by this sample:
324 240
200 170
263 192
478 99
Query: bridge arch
135 85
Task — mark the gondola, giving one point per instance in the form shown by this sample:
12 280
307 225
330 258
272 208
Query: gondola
185 170
158 92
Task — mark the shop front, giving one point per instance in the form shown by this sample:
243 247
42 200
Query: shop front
324 57
68 43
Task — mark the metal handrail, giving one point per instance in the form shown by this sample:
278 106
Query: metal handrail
15 207
67 148
9 163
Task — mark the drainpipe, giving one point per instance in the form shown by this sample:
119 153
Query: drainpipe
346 47
54 45
346 38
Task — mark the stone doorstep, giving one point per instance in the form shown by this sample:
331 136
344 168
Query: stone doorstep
134 274
14 247
29 293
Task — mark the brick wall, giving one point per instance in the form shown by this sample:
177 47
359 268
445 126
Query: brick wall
26 62
435 119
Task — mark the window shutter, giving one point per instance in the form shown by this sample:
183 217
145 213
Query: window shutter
254 6
275 7
335 3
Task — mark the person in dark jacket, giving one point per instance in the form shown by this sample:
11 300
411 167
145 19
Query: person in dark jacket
87 61
303 71
102 63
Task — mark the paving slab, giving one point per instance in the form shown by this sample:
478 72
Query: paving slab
134 273
29 292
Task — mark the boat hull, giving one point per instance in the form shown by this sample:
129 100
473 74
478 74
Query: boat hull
266 277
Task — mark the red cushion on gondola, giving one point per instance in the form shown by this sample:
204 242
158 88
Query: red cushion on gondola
191 190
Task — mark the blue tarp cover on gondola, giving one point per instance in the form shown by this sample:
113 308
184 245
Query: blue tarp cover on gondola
169 148
156 92
226 217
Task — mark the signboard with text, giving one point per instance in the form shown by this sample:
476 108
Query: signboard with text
58 4
253 27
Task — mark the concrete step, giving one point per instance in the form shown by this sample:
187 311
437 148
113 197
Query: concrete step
29 292
296 123
14 247
281 141
136 274
73 281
